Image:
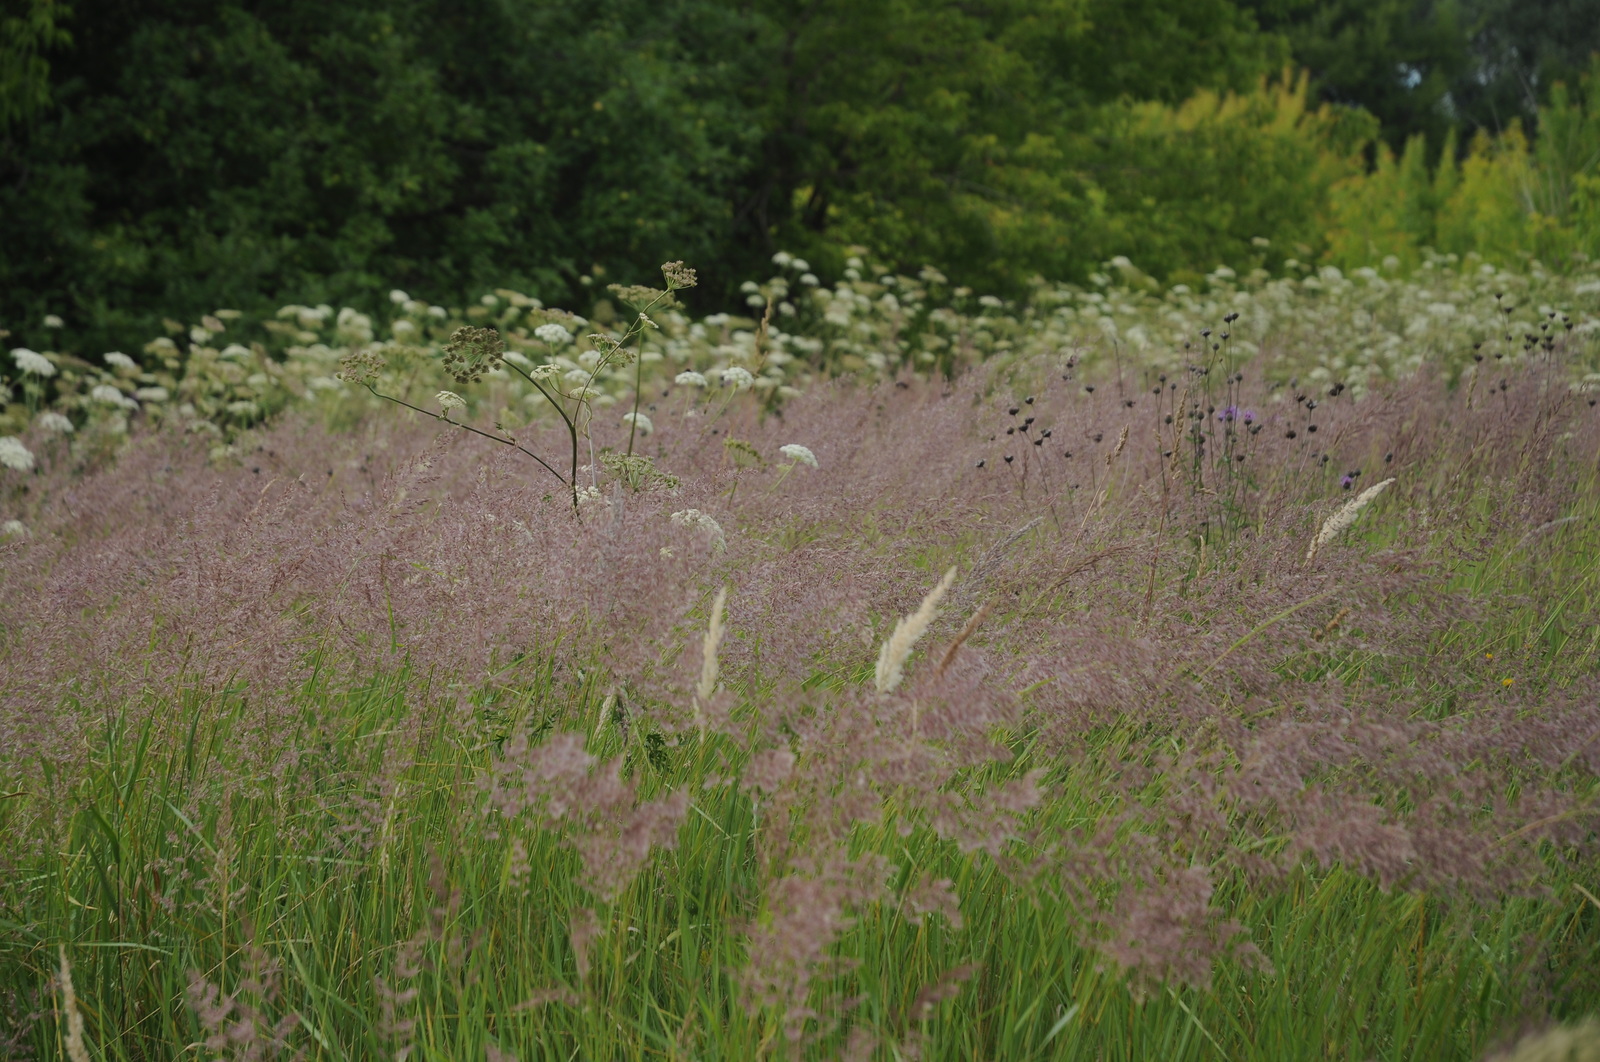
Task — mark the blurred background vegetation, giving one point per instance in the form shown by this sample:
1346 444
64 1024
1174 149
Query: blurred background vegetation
162 158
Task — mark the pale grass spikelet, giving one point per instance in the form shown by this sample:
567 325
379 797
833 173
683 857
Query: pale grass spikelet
907 632
14 455
1345 517
709 668
1116 451
77 1050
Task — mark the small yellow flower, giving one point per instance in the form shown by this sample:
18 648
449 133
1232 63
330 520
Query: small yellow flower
1488 656
1507 681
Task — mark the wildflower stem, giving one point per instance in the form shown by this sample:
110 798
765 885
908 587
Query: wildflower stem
572 429
476 431
638 364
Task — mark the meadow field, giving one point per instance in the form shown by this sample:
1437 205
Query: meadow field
1126 673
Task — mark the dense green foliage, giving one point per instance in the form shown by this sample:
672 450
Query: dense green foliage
174 157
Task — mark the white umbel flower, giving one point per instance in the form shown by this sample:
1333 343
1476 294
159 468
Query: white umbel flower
13 529
52 321
32 362
699 521
110 396
639 421
398 297
553 334
53 422
118 360
689 379
449 400
738 378
14 455
799 454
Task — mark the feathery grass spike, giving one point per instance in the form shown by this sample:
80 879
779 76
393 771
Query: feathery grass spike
77 1050
907 632
708 663
1345 517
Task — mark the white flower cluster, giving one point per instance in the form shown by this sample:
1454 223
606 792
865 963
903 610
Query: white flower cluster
801 455
553 335
1321 325
14 455
696 520
32 362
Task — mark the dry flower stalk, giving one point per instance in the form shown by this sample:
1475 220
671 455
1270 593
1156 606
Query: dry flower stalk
1116 451
907 632
1345 517
966 632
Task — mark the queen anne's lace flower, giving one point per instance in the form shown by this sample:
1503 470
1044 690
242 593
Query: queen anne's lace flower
553 334
52 321
118 360
800 454
53 422
734 376
14 455
640 421
32 362
449 400
689 379
696 520
110 396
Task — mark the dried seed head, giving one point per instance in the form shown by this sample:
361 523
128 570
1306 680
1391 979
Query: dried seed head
679 275
361 366
472 352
